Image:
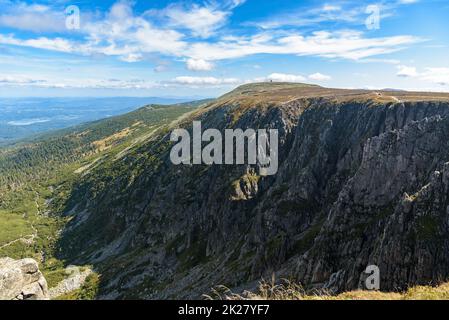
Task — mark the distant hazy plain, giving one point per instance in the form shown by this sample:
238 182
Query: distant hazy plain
24 117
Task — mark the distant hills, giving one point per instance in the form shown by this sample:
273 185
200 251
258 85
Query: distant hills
24 117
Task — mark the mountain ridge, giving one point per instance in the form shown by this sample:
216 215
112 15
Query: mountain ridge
362 180
230 226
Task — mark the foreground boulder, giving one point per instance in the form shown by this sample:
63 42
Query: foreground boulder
21 280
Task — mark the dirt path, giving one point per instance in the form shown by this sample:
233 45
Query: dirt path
29 239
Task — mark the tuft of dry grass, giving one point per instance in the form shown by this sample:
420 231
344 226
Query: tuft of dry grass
267 290
288 290
428 293
106 143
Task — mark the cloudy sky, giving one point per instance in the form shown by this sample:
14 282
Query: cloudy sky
205 48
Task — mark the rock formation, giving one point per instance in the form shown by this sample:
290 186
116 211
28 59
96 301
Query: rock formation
21 280
362 180
74 282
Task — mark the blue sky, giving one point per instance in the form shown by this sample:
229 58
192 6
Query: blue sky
206 48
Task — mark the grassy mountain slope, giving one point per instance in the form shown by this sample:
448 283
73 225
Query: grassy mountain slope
154 230
36 177
362 179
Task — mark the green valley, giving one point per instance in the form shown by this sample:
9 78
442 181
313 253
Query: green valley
36 178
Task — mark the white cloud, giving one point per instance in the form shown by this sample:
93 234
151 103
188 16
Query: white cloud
181 81
132 57
20 80
379 60
199 65
407 1
405 71
348 12
330 7
204 81
139 84
319 77
136 37
55 44
282 77
222 82
347 45
326 13
201 21
129 37
162 66
235 3
435 75
121 11
89 83
31 17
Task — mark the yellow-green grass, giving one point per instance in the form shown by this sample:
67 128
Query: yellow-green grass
13 226
288 290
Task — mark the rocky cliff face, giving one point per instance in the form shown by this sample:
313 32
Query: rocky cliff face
21 280
363 179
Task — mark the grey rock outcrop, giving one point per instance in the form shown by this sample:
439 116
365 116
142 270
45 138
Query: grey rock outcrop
360 182
21 280
74 282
